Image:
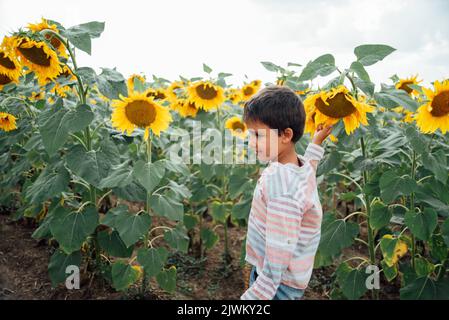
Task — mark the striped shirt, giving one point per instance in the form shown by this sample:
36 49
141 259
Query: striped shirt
284 225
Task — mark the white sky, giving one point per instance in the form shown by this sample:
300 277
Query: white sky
174 37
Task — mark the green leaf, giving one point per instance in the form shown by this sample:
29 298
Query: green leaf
132 227
351 281
209 237
270 66
80 35
390 272
438 247
366 86
423 267
445 231
123 275
113 245
380 215
59 261
416 139
218 211
177 238
321 66
358 68
111 216
153 260
206 68
436 162
121 175
92 166
112 84
241 209
50 183
425 288
392 186
149 174
369 54
422 224
167 207
332 161
337 235
71 228
392 98
190 221
57 122
167 279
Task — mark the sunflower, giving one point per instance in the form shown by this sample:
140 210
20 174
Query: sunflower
206 95
328 107
234 95
402 84
434 114
38 57
157 94
237 126
185 108
130 81
174 90
138 110
250 89
55 42
10 69
7 121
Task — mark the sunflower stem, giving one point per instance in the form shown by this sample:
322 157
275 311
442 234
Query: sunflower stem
412 206
371 244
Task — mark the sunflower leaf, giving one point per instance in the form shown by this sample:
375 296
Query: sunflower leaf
71 228
59 261
321 66
422 224
369 54
149 174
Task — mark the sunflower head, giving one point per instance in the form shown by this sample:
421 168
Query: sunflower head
139 111
329 107
175 90
10 69
434 113
237 127
55 42
234 95
403 84
7 121
185 108
157 94
250 89
206 95
39 58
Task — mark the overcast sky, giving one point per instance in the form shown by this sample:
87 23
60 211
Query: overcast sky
172 37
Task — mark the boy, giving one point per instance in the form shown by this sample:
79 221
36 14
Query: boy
285 218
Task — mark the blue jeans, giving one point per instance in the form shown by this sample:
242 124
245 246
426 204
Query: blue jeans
284 292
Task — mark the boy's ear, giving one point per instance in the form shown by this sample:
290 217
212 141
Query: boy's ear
287 135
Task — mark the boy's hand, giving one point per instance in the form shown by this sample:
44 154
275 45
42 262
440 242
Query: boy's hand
321 133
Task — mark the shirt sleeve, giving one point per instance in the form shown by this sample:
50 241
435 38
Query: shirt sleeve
314 153
284 216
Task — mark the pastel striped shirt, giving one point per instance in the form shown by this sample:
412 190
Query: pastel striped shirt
284 226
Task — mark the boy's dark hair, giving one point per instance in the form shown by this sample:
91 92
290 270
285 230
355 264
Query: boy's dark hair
279 108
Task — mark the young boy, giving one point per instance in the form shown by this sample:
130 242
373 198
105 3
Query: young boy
285 218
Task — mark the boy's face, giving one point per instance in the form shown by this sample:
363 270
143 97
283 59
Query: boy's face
264 140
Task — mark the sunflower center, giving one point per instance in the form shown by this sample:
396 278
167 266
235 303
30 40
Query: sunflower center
339 106
238 126
206 92
35 55
141 113
6 62
53 40
156 95
404 86
440 104
248 91
4 79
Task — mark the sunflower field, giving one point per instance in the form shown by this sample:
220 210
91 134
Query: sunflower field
85 160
